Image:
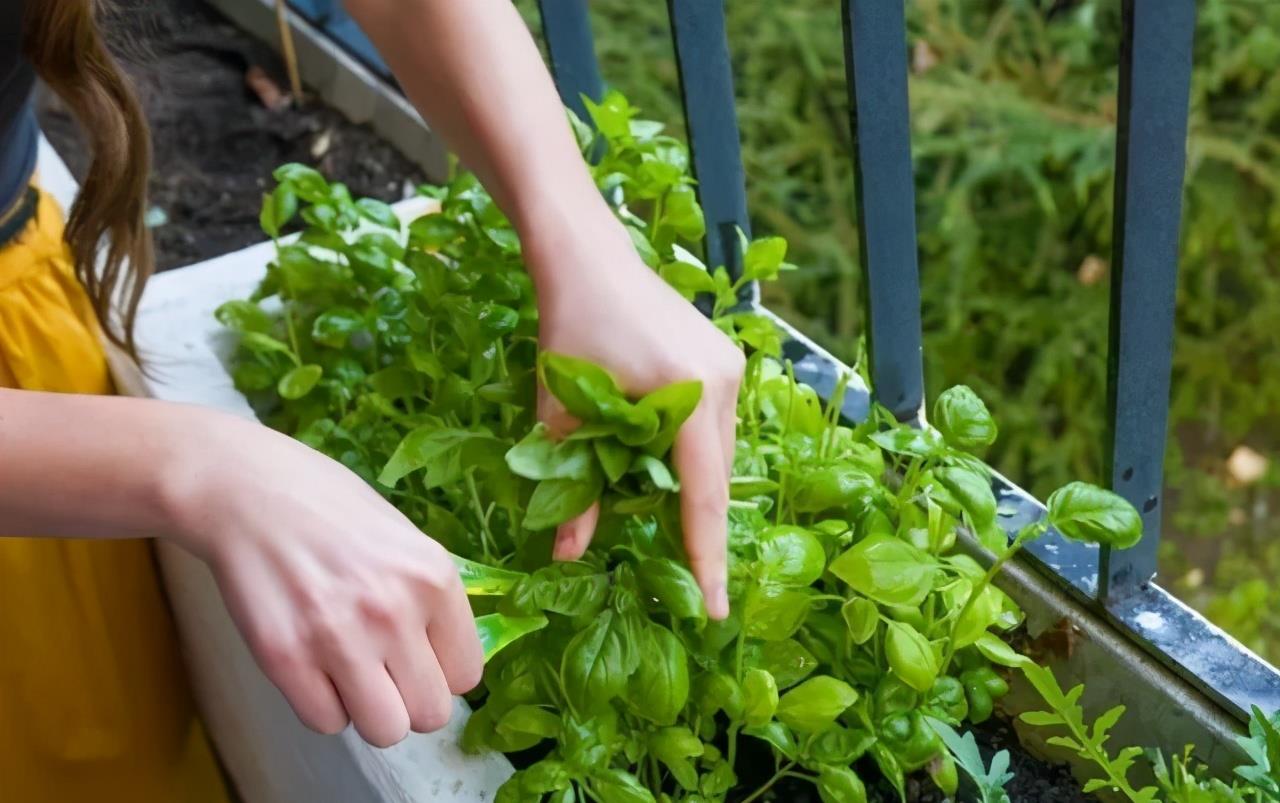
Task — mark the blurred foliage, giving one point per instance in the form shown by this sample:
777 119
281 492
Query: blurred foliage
1013 117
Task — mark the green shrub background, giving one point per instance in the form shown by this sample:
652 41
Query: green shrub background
1013 108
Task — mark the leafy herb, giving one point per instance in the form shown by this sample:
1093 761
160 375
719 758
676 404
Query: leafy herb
409 354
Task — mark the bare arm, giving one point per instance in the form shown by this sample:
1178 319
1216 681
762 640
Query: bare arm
474 72
348 608
88 467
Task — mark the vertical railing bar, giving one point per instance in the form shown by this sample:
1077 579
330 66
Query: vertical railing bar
566 28
876 65
706 83
1151 133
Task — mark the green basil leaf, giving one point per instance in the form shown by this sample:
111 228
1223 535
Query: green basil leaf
840 785
673 586
659 688
620 786
862 617
778 735
258 343
434 231
674 747
683 214
556 501
648 255
764 258
306 181
278 208
480 580
498 630
717 691
787 660
673 404
569 589
614 457
299 381
963 419
600 659
791 555
529 720
429 447
909 441
687 280
538 457
775 612
887 570
243 316
970 491
815 704
840 745
759 696
378 212
995 650
1084 512
657 472
832 488
581 386
334 327
910 655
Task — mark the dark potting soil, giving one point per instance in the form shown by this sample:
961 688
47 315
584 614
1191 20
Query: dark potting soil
1034 781
215 142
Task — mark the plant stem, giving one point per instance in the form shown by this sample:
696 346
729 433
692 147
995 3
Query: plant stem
778 776
1028 533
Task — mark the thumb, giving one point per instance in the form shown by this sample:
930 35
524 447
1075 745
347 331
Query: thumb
574 536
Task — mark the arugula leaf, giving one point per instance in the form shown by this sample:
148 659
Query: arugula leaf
990 780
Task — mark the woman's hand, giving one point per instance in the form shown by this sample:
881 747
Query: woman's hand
598 301
350 610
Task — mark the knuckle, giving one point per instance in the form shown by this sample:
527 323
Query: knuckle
379 608
277 655
327 630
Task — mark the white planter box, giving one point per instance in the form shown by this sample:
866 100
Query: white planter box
270 755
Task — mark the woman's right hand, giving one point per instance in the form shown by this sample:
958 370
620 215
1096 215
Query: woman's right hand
348 608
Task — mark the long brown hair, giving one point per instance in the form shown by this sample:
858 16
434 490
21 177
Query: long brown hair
62 41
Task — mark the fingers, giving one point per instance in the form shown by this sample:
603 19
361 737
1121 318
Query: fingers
574 536
372 699
311 695
414 668
704 504
452 631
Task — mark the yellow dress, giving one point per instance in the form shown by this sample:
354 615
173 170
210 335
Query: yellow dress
94 702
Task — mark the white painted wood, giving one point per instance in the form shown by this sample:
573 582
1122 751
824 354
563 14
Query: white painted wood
270 755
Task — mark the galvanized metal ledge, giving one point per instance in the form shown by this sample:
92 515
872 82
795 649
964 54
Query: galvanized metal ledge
344 83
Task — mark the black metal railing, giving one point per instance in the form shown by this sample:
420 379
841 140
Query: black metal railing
1155 75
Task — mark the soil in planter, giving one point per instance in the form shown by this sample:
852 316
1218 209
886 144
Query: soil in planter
1034 781
215 142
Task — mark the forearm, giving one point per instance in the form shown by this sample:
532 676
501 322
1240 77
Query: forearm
90 467
475 74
